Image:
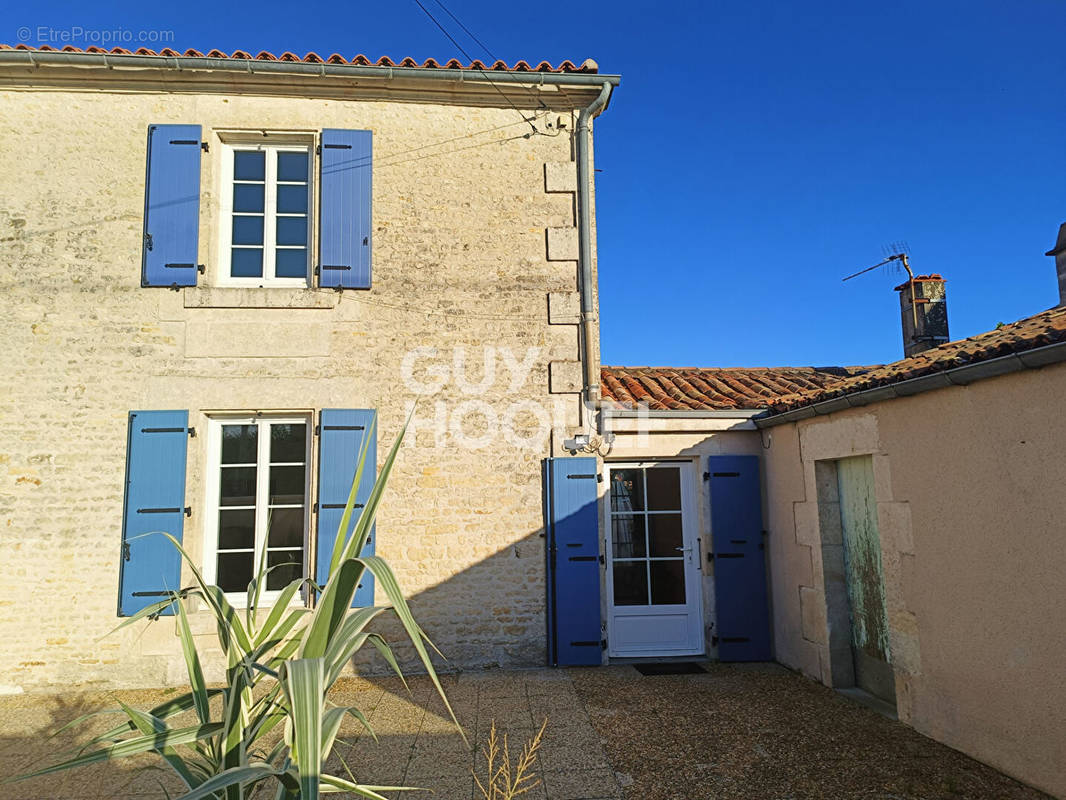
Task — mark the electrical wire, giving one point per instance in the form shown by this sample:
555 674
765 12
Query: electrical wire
390 156
458 149
485 47
468 57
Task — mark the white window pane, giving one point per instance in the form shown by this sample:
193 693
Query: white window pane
237 486
235 571
248 197
248 230
249 165
288 443
236 529
286 527
247 262
292 166
292 199
286 485
291 231
239 444
291 263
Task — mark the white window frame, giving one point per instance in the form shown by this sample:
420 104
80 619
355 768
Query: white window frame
213 491
225 278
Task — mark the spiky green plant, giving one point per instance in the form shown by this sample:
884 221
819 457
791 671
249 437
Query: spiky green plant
281 664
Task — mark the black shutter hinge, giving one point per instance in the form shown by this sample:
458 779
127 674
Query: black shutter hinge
314 508
714 641
125 551
602 561
205 147
201 269
318 430
192 433
148 241
188 511
366 241
318 149
603 644
706 476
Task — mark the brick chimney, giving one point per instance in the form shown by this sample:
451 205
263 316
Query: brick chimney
1059 251
925 321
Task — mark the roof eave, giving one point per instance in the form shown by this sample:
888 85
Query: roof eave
36 58
1034 358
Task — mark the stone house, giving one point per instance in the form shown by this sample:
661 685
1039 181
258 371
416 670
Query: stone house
229 269
233 272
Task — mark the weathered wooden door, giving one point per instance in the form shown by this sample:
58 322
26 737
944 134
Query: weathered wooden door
864 577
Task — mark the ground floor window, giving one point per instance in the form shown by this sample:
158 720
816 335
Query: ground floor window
257 500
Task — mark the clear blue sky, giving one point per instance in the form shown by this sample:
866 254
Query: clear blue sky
756 152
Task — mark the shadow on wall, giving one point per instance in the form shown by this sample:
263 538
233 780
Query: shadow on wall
491 614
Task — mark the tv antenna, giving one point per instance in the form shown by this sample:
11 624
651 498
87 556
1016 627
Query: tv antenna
896 251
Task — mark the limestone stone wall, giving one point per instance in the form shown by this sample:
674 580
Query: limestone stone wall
473 228
970 508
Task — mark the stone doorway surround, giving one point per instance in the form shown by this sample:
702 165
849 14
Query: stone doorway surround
823 604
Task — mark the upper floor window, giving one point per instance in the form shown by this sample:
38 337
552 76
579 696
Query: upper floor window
266 210
268 206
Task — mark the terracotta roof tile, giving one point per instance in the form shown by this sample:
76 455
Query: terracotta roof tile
1048 327
712 389
588 66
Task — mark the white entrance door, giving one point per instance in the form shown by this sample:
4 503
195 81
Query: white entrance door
653 569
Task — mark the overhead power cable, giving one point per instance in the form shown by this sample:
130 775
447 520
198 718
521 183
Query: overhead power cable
471 60
539 100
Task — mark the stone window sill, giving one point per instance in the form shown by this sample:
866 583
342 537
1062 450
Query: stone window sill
225 297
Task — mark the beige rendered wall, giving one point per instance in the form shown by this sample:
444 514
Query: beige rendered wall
971 509
471 247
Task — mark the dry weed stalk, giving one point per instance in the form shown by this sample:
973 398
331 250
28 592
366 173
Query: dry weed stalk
502 781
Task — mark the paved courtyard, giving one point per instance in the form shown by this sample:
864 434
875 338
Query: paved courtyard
733 731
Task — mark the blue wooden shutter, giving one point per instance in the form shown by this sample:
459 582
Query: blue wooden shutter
742 626
341 434
344 246
171 206
155 501
572 525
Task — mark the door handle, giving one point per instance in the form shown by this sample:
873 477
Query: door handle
687 551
